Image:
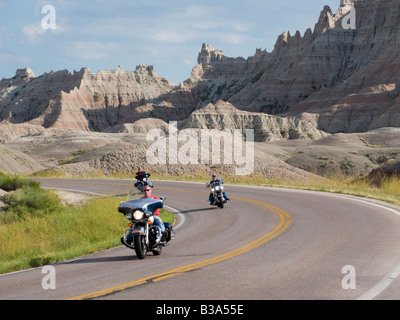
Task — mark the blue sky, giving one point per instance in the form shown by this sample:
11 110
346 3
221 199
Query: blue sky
168 34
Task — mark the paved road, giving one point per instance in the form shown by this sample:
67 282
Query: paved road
267 243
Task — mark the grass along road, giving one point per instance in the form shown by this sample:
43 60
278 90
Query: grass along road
32 237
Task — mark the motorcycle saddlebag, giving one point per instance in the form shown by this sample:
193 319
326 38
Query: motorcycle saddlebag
170 229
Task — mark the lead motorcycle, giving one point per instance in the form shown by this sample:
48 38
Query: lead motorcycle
141 235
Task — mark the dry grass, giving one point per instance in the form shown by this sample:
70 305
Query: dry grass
97 225
388 190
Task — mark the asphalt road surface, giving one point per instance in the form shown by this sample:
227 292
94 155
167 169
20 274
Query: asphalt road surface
267 243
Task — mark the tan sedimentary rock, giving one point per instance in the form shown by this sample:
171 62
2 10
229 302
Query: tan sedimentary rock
81 100
348 78
335 78
224 115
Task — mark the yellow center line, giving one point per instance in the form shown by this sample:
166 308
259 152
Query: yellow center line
281 227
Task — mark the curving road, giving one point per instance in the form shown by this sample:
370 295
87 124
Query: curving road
267 243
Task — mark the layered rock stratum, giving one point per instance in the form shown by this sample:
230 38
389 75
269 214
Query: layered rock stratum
347 78
343 80
331 80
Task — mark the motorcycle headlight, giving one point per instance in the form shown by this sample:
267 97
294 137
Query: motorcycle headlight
138 215
212 189
217 188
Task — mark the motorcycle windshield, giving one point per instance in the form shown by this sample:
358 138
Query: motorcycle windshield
216 183
145 204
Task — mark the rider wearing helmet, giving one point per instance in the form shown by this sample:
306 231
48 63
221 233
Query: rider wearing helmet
211 198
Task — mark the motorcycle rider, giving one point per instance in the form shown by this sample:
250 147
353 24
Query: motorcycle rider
142 178
147 190
211 198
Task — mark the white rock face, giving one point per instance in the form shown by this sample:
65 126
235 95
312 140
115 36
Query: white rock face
331 78
348 78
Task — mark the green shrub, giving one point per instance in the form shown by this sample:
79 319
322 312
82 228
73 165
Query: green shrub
28 201
11 183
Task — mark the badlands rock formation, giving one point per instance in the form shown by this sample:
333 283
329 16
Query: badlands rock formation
331 78
347 78
15 161
64 101
223 115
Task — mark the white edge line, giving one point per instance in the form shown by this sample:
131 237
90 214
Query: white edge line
76 191
393 275
381 285
182 218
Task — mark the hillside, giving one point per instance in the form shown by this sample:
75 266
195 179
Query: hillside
347 79
324 88
343 80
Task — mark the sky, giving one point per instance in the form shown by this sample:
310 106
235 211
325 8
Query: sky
104 34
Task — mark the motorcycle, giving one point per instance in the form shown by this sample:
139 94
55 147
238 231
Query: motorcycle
142 234
142 180
217 190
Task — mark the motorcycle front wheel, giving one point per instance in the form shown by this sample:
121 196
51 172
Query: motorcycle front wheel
140 246
221 203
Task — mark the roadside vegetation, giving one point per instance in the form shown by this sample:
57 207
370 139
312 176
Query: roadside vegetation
388 189
36 229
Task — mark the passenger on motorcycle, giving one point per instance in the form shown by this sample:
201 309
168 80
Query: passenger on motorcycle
142 178
211 198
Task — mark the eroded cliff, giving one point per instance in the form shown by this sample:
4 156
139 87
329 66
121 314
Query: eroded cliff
331 78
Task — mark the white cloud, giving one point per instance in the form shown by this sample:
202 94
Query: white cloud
233 38
176 26
6 57
33 33
91 50
171 36
11 58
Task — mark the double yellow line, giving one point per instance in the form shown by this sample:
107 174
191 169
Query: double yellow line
281 227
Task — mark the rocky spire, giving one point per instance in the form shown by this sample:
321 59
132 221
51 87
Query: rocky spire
24 73
326 21
208 55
